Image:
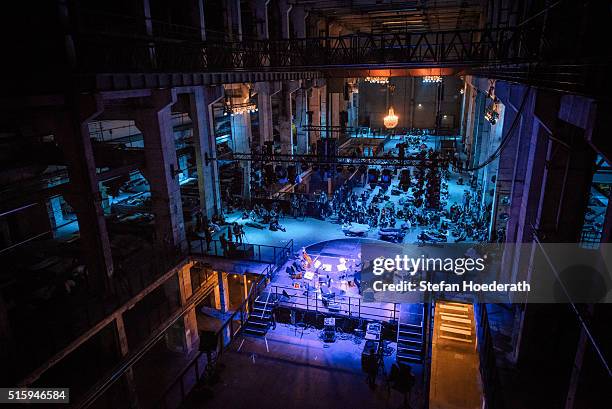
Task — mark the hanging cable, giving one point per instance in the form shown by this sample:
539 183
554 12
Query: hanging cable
505 140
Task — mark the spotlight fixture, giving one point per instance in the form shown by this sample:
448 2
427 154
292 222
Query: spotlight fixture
432 79
377 80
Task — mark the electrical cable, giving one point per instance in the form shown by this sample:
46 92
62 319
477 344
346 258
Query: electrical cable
505 140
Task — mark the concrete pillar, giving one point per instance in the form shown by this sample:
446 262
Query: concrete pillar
324 118
260 11
335 106
246 286
83 192
234 19
285 9
353 109
265 90
200 111
301 120
184 337
155 123
128 377
298 19
197 17
221 295
241 135
54 210
314 105
286 117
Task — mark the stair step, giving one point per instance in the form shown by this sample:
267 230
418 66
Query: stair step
413 326
409 358
409 341
469 341
256 331
410 333
258 323
409 350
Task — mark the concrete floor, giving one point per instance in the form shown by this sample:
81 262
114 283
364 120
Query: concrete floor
309 231
288 369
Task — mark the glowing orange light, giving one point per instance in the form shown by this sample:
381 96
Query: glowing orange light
391 119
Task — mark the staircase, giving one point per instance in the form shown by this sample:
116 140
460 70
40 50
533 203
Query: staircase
456 321
260 318
410 334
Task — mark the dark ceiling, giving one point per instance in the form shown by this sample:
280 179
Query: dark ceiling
388 15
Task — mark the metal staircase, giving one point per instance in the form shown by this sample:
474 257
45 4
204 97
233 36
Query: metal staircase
260 319
410 332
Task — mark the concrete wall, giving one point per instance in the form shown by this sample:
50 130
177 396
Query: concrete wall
409 93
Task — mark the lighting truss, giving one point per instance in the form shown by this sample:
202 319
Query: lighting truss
377 80
412 160
432 79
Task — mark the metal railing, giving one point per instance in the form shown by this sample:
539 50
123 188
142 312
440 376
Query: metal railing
225 335
351 307
471 47
263 253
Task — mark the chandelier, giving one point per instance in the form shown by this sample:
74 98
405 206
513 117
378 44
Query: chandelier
429 79
377 80
237 109
390 120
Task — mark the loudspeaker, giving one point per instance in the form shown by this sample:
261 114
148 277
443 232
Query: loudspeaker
291 173
208 341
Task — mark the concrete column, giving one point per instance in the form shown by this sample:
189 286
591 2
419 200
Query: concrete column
247 286
285 9
353 110
54 210
260 11
241 135
265 90
324 118
155 123
221 295
234 19
335 106
286 118
197 17
184 335
314 105
83 192
200 111
128 376
298 19
301 120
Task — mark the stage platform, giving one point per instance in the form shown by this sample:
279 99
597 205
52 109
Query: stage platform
336 261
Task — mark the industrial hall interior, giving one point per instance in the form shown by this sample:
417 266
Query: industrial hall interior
190 192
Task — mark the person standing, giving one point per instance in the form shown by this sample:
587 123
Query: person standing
237 233
229 234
